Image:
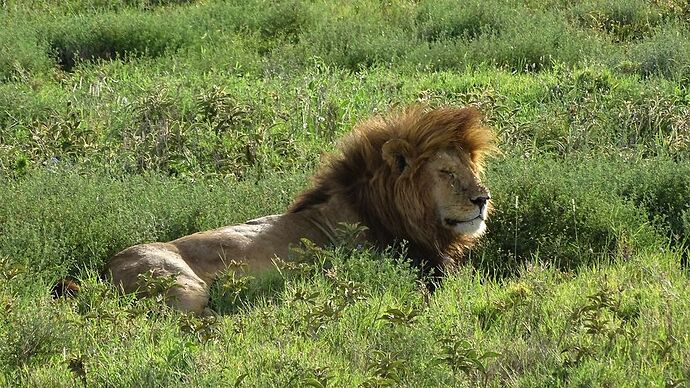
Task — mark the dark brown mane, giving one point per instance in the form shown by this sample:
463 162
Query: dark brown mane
359 174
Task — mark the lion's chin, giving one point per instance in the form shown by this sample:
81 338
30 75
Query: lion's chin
473 228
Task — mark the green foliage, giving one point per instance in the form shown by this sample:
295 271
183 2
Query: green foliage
624 20
385 369
462 356
572 217
157 286
355 34
400 317
80 221
663 191
241 98
444 20
665 53
354 38
132 121
112 36
20 51
37 335
276 19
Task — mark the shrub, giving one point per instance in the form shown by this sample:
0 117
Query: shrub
663 189
354 37
272 18
36 334
565 215
450 19
533 41
56 221
623 19
21 52
666 53
114 36
520 40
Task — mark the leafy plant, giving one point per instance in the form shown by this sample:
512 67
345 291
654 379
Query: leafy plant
232 284
385 369
156 286
316 377
400 317
463 356
203 328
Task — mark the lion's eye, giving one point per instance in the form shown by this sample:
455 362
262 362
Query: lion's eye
448 173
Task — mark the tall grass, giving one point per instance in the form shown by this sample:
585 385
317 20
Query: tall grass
123 119
356 34
623 20
132 121
60 222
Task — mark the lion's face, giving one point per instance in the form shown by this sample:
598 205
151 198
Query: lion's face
461 200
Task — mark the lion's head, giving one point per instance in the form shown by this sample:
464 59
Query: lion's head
415 176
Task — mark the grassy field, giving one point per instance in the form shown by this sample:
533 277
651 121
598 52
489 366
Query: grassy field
131 121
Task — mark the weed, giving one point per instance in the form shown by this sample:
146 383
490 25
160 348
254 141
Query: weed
219 109
447 20
202 328
385 369
350 236
305 258
304 296
463 356
575 355
35 337
665 53
347 291
625 20
111 36
10 270
602 316
155 285
317 377
76 365
233 285
400 317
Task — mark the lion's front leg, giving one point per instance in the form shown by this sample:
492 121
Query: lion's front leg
190 295
159 268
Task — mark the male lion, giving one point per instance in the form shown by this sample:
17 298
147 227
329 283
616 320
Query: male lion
412 176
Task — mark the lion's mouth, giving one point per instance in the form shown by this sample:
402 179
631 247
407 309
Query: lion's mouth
454 222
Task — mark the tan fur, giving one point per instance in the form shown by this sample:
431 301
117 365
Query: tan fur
410 176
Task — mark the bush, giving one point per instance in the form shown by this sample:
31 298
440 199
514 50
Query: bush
21 53
534 41
662 188
666 53
451 19
354 37
114 36
520 40
37 333
272 18
56 221
569 216
623 19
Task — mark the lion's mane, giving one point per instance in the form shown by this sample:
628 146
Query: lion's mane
360 174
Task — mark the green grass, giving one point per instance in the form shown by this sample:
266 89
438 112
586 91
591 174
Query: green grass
131 121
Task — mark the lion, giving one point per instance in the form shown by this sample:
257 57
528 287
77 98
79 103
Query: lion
413 175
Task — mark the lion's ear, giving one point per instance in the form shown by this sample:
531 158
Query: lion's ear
397 153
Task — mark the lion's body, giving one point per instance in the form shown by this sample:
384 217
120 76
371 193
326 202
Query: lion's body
411 177
195 260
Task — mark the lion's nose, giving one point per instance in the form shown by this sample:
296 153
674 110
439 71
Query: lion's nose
480 200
